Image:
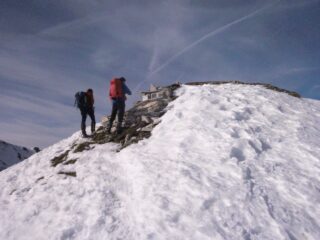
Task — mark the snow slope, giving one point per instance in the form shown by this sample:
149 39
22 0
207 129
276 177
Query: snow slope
226 162
12 154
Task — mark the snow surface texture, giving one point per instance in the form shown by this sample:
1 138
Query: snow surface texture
12 154
226 162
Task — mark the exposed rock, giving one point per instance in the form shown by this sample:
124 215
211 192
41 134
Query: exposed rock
72 174
146 119
138 122
59 159
71 161
36 149
83 146
147 128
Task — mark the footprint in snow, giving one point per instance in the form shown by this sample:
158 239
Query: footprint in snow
238 154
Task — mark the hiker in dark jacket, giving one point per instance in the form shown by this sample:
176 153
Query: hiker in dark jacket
88 109
117 93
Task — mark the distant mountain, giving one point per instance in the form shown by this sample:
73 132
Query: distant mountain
11 154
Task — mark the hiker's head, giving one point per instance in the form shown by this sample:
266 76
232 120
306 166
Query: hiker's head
122 79
90 91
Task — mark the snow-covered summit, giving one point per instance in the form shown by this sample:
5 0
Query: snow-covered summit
225 162
11 154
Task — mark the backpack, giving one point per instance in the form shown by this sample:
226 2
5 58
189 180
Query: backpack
80 99
116 88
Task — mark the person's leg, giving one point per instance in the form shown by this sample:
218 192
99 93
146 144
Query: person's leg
113 115
83 121
121 109
93 119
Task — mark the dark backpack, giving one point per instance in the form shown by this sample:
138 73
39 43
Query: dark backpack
80 99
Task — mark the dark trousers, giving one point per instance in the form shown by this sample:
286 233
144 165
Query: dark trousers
84 112
118 107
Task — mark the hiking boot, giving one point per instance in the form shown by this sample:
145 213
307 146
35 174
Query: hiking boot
109 128
93 128
119 130
84 135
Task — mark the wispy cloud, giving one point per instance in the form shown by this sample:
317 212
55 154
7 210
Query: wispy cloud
36 106
210 34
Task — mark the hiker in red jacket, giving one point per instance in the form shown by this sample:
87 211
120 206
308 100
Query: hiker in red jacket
117 93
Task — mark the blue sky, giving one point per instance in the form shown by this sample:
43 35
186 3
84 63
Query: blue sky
51 49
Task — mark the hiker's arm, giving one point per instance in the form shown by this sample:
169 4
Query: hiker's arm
126 90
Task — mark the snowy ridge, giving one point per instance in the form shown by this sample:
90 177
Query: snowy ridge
11 154
226 162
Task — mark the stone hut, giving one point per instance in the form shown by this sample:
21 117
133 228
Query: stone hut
157 93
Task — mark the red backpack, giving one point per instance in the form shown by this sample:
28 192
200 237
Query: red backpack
116 88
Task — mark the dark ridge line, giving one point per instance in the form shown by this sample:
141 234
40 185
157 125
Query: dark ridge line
266 85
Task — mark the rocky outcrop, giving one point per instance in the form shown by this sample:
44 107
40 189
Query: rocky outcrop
138 123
